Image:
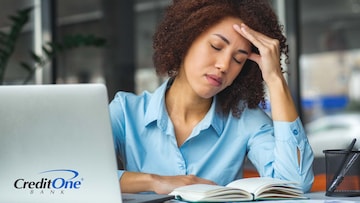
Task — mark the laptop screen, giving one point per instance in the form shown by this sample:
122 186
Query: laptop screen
56 145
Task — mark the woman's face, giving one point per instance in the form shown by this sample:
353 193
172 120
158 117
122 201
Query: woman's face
215 58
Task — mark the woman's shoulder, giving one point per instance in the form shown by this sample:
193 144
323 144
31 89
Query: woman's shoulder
129 98
146 97
256 115
130 95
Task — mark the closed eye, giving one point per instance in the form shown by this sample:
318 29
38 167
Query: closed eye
214 47
237 61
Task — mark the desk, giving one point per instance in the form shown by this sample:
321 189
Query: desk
321 196
315 197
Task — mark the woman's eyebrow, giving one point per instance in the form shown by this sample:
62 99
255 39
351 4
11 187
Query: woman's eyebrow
228 42
223 38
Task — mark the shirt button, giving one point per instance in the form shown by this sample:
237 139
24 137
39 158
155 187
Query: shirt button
295 132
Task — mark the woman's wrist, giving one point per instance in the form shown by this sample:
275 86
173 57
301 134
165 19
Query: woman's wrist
134 182
282 104
153 181
275 80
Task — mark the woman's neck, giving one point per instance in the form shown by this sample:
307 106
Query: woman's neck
183 102
185 108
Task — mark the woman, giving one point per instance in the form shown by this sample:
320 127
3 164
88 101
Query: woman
205 119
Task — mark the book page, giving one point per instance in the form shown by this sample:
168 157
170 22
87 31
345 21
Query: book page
204 192
266 187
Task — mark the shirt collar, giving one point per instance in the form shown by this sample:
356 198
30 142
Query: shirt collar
213 118
156 111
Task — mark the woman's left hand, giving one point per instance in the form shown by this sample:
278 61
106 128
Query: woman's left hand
268 58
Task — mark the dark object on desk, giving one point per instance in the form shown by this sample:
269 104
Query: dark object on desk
342 169
342 172
145 198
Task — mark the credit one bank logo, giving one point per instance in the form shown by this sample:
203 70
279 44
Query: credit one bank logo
51 182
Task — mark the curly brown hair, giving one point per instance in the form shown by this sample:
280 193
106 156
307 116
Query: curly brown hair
185 20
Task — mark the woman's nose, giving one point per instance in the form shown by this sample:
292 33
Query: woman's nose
223 63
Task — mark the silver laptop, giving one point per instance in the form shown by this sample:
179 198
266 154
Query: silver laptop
56 145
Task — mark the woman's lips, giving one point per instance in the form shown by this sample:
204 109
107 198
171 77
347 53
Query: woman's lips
214 80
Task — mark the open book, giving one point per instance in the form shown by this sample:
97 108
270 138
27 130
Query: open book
247 189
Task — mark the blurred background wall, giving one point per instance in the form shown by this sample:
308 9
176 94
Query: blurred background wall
323 36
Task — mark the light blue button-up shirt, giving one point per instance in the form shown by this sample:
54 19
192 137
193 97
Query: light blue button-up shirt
145 142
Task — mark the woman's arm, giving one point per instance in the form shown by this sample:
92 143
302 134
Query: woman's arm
282 108
282 105
134 182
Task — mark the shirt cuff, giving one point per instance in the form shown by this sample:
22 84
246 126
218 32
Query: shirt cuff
120 173
285 131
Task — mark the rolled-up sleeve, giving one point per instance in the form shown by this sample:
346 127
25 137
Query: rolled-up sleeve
275 153
120 173
290 139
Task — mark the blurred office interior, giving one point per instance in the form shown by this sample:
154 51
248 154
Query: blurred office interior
323 36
